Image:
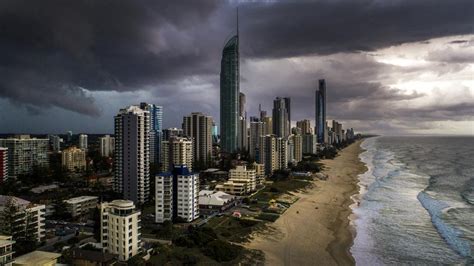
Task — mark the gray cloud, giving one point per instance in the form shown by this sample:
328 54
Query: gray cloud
57 54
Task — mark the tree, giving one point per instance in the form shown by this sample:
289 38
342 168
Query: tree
18 224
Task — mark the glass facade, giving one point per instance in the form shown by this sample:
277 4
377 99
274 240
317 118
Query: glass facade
321 111
229 95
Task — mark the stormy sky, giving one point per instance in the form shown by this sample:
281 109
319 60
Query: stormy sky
391 67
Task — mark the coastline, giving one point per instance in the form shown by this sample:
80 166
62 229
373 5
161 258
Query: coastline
317 227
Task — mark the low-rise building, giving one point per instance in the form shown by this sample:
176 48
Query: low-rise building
120 233
81 205
37 258
241 181
28 217
215 202
74 159
6 250
177 195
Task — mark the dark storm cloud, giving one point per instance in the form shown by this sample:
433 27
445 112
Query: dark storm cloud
296 28
54 52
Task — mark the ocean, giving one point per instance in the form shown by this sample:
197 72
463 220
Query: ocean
416 202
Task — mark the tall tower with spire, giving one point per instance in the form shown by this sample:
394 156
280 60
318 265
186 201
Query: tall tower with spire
230 93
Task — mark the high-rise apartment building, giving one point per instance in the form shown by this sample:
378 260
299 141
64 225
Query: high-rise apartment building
25 153
132 154
320 112
155 131
172 132
229 95
175 152
281 117
74 159
120 228
242 142
28 220
282 153
305 126
310 142
256 131
297 141
3 164
273 153
268 126
177 195
198 127
55 142
107 146
83 141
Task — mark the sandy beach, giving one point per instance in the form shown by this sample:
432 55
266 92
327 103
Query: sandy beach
316 230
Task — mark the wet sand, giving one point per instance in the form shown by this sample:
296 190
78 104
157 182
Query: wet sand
316 230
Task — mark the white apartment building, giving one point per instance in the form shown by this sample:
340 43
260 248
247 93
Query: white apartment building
177 151
30 216
107 145
24 153
177 195
241 172
81 205
120 232
74 159
132 154
83 142
6 250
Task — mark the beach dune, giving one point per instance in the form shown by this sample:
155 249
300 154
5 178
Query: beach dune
316 230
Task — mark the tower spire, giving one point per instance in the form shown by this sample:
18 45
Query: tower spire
237 22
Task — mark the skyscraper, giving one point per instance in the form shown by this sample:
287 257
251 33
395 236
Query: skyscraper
281 117
229 95
132 154
199 127
320 111
156 127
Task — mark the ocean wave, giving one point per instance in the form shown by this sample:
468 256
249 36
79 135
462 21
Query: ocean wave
450 234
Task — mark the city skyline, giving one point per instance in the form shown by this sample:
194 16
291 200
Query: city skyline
405 80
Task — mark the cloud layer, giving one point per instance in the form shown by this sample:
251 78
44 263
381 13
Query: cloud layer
59 54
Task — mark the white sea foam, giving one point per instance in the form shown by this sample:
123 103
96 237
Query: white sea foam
450 234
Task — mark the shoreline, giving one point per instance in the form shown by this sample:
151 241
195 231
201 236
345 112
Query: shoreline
318 227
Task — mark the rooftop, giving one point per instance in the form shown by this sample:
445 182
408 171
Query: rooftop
80 199
37 258
209 197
